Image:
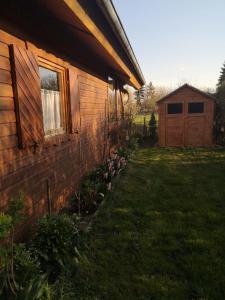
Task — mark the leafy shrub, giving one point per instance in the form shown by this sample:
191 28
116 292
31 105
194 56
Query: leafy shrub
5 225
153 128
27 282
139 137
20 274
15 208
7 248
55 241
133 144
124 152
91 195
99 182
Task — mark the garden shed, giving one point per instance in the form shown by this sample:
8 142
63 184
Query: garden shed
186 118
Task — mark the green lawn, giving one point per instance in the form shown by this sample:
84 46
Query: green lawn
139 119
161 233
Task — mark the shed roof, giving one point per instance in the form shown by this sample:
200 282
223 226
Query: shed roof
186 85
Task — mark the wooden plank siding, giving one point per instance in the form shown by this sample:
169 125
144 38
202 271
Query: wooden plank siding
93 98
60 161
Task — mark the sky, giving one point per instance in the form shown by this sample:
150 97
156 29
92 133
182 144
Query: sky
176 41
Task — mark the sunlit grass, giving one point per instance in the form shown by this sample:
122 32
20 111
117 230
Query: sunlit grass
160 234
139 119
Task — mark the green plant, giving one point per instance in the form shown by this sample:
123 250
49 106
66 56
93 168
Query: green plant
28 282
7 247
5 225
124 152
15 208
145 130
55 241
93 190
153 128
133 144
99 181
20 275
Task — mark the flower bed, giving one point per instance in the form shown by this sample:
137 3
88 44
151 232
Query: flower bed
96 185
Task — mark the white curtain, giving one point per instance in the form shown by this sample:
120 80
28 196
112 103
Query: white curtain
51 110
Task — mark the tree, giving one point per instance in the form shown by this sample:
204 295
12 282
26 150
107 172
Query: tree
139 96
221 79
220 107
150 93
153 128
145 129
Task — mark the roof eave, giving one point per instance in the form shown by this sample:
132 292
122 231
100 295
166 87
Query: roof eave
109 11
84 18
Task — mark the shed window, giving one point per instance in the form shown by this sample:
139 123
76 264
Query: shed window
195 107
175 108
51 95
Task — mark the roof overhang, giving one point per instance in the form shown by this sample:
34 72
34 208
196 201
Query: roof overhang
79 12
86 33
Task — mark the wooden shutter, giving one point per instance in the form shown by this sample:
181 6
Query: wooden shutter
74 101
27 94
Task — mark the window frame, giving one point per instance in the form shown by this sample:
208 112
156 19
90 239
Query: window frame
195 113
174 103
63 96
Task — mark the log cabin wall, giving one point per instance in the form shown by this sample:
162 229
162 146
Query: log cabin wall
49 173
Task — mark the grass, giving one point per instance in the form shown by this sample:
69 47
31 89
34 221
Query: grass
139 119
161 233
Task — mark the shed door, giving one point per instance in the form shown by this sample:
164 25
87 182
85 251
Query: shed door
195 131
175 131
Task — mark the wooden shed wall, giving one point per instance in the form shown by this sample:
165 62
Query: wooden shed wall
186 129
51 173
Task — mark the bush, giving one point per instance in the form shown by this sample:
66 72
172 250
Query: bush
99 182
133 144
5 225
55 241
21 276
153 128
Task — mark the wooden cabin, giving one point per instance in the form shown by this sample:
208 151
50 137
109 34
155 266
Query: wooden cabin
186 118
63 66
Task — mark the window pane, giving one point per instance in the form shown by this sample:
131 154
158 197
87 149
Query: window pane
175 108
49 79
195 107
51 98
51 110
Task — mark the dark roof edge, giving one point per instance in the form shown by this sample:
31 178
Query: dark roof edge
109 11
191 87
